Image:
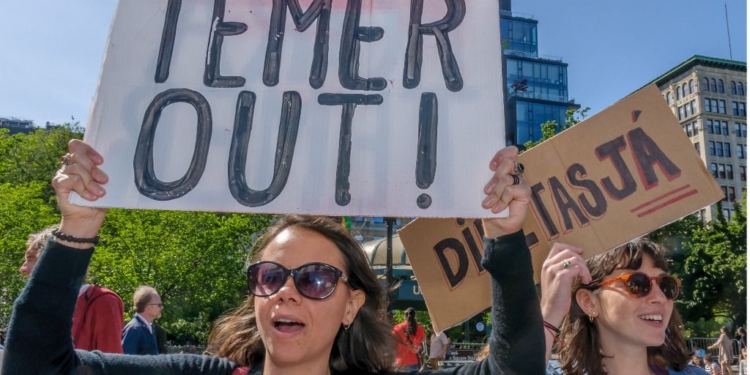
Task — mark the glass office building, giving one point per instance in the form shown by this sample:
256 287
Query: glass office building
536 86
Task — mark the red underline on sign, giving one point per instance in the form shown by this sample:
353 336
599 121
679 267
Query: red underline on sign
661 197
667 203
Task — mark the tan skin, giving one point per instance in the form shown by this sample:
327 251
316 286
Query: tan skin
296 352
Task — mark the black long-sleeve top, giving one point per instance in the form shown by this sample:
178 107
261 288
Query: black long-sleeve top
39 341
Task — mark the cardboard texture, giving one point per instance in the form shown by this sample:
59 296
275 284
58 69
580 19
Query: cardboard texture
313 107
616 176
445 255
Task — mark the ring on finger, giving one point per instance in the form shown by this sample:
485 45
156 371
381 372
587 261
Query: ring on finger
65 159
566 264
516 179
518 168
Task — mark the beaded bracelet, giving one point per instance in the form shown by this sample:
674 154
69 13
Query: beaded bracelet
69 238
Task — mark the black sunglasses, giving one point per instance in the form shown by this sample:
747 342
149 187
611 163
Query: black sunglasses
313 280
639 284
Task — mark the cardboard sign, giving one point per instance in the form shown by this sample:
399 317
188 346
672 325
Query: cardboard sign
445 255
358 107
612 178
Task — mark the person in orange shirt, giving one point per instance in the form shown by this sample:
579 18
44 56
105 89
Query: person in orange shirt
409 336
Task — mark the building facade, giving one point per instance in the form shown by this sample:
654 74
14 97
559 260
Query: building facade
536 86
709 98
16 125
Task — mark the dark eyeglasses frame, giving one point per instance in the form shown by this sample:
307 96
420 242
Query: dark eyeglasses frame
156 304
338 274
626 276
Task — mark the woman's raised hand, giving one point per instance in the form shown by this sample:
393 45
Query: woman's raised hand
506 189
563 264
80 172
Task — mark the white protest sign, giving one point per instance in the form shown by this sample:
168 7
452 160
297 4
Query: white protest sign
383 108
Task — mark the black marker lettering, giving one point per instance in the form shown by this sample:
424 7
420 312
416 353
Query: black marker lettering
219 29
599 208
143 163
536 198
647 153
167 41
427 144
351 35
611 150
565 204
349 102
320 10
454 278
440 29
476 254
291 106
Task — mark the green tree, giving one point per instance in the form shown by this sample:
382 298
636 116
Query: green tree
713 270
195 259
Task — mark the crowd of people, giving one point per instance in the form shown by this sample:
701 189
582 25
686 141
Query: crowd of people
314 304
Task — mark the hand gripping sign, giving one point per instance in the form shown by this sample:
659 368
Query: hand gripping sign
607 180
358 107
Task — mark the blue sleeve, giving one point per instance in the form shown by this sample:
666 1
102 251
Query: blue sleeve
131 337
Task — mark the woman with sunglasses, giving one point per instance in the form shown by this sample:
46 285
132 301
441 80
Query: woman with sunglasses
621 317
314 303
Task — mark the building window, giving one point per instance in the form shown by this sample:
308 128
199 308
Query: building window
733 88
691 86
727 213
740 151
688 130
711 148
724 128
705 84
719 149
722 106
692 107
743 173
709 127
730 172
669 98
717 128
681 112
728 150
713 84
721 86
742 109
697 147
737 131
740 89
732 196
707 105
714 170
722 172
679 92
724 190
743 128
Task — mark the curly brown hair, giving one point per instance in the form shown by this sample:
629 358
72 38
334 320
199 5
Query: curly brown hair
365 347
580 351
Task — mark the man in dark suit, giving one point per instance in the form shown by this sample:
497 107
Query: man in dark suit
139 335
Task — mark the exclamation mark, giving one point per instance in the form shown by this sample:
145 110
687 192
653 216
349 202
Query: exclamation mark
427 146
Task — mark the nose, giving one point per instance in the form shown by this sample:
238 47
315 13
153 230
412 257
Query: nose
656 295
24 270
288 291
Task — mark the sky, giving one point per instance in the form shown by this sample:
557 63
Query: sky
52 50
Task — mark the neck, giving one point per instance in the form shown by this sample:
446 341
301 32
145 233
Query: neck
622 358
306 368
146 318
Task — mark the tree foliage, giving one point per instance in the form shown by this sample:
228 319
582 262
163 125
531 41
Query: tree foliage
194 259
713 269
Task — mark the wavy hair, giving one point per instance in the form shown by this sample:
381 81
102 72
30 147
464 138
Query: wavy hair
366 346
580 351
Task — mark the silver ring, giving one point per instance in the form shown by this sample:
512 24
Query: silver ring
516 179
566 264
518 168
65 159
